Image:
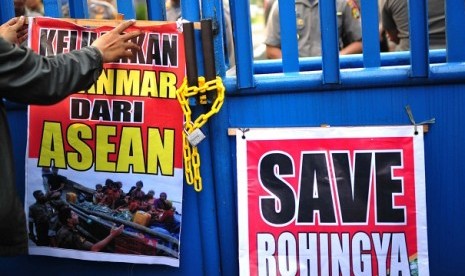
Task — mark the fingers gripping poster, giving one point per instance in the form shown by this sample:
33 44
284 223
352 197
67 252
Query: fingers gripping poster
104 166
332 201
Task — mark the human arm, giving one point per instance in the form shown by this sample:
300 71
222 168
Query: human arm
388 24
273 52
60 188
351 29
114 232
273 34
396 23
352 48
30 78
27 77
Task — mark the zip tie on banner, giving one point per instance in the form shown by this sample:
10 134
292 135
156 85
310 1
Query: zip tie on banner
243 130
412 120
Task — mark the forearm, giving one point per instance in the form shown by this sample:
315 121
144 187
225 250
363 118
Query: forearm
352 48
273 52
30 78
101 244
62 186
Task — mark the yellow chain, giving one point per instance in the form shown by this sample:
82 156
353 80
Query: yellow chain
190 153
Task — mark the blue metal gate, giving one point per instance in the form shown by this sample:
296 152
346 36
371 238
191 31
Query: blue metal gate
372 88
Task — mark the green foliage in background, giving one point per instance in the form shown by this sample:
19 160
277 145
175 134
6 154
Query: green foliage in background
141 12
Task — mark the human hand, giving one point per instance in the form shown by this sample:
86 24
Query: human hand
115 45
117 231
14 30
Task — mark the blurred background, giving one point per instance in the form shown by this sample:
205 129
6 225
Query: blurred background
107 9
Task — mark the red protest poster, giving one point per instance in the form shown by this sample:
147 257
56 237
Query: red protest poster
332 201
111 154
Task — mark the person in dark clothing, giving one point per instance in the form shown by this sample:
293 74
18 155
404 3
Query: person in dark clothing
136 197
395 19
163 214
56 183
68 236
29 78
40 214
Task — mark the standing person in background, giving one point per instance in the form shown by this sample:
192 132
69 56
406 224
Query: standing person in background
173 10
27 77
102 9
40 214
385 45
229 39
34 8
56 183
309 32
20 7
396 23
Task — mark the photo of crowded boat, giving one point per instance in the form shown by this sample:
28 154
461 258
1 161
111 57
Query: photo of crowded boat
103 217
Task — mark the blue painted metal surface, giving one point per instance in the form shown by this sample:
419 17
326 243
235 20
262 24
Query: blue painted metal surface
346 61
52 8
218 184
329 41
356 92
243 43
370 35
126 8
6 11
77 9
289 48
455 13
156 10
418 29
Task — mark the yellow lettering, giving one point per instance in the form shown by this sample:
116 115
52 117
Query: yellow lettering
114 152
167 85
128 82
131 151
82 159
149 85
103 147
51 146
160 151
122 82
105 83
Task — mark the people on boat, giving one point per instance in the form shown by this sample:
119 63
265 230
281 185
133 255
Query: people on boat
136 197
161 202
163 214
112 195
98 194
56 183
40 214
69 237
119 195
147 202
125 206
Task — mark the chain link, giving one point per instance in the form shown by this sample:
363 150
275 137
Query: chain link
191 154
